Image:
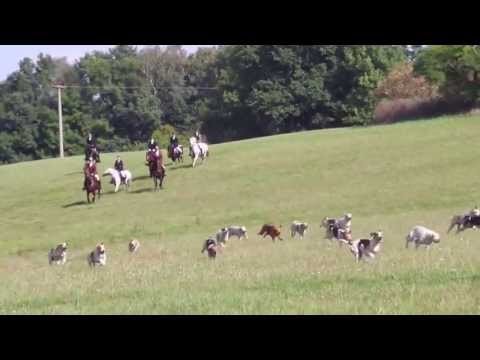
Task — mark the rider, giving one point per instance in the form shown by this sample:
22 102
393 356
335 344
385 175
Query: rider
152 145
173 143
90 169
91 144
119 167
197 135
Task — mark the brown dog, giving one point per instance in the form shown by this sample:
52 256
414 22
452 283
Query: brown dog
270 230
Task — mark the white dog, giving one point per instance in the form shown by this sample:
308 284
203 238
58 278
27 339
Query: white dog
98 256
238 231
58 255
299 228
133 245
421 235
222 236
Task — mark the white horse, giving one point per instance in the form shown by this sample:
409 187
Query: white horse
116 178
197 150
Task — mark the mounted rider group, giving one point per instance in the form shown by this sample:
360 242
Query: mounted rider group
154 160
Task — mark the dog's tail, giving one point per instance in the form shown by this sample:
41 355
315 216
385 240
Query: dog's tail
455 221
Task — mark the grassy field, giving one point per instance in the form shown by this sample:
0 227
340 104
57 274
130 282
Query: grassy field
390 178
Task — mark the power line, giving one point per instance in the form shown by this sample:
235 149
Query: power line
136 87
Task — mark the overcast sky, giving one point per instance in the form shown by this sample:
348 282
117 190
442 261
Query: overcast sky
10 55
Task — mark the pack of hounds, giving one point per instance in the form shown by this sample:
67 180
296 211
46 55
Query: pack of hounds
339 230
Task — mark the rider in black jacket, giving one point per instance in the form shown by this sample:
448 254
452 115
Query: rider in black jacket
118 164
173 141
91 144
152 144
119 167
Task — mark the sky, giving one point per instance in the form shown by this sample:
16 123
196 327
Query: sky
10 55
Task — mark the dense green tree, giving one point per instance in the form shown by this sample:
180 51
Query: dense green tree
231 92
454 68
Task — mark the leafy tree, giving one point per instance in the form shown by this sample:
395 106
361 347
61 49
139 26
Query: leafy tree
454 68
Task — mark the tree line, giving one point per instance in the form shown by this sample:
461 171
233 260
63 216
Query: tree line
125 95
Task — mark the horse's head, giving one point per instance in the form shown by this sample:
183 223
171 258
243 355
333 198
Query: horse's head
192 140
109 171
154 155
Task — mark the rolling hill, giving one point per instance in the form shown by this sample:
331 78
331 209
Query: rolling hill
390 177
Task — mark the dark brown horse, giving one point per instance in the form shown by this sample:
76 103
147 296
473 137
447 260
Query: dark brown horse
93 187
92 152
156 170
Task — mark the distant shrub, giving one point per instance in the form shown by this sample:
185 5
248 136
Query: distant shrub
390 111
402 83
402 95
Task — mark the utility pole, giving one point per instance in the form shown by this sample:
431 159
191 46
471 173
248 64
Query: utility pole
59 88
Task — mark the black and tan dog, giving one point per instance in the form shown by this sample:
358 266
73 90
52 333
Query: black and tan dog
211 247
98 256
133 245
58 255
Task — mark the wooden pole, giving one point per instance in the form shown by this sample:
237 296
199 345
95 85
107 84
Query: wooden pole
60 119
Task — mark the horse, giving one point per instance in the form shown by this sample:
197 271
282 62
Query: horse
198 150
92 152
117 179
156 170
176 154
93 187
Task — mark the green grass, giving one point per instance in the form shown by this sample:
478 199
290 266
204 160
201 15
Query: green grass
390 178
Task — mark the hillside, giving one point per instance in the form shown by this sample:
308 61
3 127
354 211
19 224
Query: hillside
389 177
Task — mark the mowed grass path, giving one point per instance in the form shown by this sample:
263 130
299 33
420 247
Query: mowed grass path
389 177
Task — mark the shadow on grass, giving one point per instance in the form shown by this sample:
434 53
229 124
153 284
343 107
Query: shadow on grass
74 173
76 203
140 191
84 202
141 178
183 166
